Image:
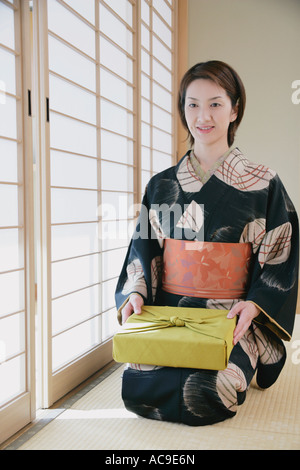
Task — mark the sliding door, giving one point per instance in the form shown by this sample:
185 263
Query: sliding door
158 86
17 406
85 180
87 101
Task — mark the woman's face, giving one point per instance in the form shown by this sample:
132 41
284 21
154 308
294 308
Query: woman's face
208 113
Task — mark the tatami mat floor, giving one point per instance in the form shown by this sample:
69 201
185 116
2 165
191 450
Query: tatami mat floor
95 418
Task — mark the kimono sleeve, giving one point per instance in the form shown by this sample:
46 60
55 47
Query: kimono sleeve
141 271
274 283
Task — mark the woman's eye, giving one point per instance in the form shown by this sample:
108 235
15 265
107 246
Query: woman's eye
192 105
215 105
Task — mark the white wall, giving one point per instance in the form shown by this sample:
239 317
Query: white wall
261 40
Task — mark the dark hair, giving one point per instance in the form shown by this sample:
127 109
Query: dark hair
225 77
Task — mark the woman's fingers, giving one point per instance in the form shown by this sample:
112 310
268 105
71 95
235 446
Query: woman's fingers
137 302
134 305
236 309
246 311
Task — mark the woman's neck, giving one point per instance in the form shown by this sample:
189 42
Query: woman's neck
207 156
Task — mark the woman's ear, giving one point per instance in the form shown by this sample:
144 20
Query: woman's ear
234 111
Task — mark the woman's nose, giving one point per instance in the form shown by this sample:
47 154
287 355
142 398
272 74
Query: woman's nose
203 114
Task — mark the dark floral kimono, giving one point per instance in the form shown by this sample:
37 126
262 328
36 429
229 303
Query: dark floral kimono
240 202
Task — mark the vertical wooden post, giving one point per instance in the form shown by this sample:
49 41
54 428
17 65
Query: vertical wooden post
182 66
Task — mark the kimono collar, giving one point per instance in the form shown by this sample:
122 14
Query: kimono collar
190 179
200 173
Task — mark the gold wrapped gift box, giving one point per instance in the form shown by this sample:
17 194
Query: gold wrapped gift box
176 337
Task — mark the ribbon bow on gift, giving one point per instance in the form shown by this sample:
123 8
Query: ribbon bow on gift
154 317
176 321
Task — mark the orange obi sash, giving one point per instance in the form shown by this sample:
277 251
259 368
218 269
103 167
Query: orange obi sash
209 270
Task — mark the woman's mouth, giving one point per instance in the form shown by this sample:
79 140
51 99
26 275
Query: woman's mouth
205 129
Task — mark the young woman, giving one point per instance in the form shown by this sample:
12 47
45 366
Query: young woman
232 205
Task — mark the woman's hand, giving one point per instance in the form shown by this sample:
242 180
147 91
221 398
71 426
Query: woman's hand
134 305
246 311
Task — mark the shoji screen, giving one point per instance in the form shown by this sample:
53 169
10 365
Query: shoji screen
87 87
157 59
16 265
97 118
107 75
